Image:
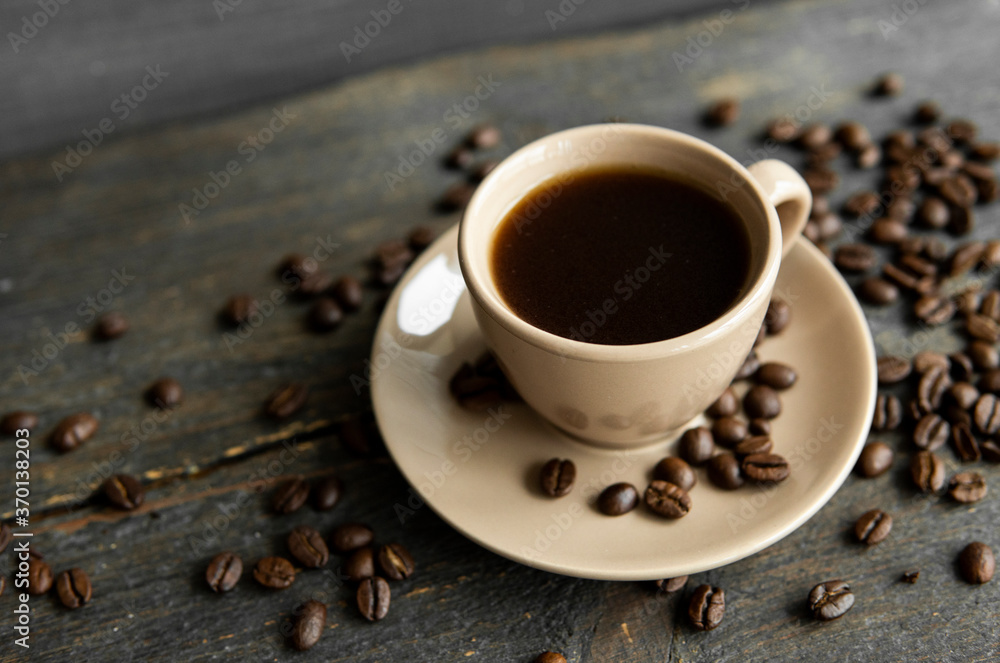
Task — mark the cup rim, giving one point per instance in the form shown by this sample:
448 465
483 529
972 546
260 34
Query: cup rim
482 289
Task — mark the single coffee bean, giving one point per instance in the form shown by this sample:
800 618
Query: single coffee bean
987 413
759 427
927 471
749 367
550 657
667 500
965 443
351 537
6 536
724 471
888 85
962 222
73 431
325 314
765 467
935 138
396 561
474 391
956 416
755 444
762 402
991 254
963 394
393 253
74 588
723 112
286 400
902 209
239 309
854 257
776 375
862 203
830 600
327 493
820 206
828 226
224 572
853 136
875 460
696 445
933 385
984 355
675 471
983 328
990 306
990 449
926 112
298 265
961 131
360 565
868 157
782 130
309 624
728 431
977 563
111 325
878 291
348 293
314 284
12 422
671 585
967 487
39 577
927 360
707 607
989 381
814 136
965 257
373 598
778 315
904 278
961 367
887 231
888 412
873 527
353 434
985 152
935 309
479 172
274 572
455 197
124 491
557 477
165 393
307 545
931 432
619 498
459 158
725 405
290 496
483 137
933 213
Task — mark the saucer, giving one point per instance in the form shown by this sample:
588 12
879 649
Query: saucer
479 470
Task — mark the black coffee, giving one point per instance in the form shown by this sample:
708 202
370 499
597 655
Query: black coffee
620 256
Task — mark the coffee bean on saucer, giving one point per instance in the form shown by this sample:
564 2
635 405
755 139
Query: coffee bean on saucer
326 494
348 293
290 496
762 402
931 432
724 471
759 427
74 588
124 491
765 467
875 460
396 561
965 443
977 563
888 412
725 405
830 600
286 400
675 471
707 607
727 431
73 431
557 477
39 577
926 112
778 315
854 257
749 367
927 471
696 445
111 325
618 499
935 309
239 309
373 598
723 112
360 565
754 444
274 572
307 545
878 291
18 420
166 393
967 487
873 527
351 536
671 585
814 136
776 375
325 314
224 572
667 500
308 625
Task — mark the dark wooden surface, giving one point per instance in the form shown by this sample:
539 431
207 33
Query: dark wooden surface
323 175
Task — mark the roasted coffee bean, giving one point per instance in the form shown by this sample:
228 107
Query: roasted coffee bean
902 178
814 136
550 657
373 598
239 309
667 500
286 400
724 471
967 487
393 253
111 325
675 471
910 577
901 208
931 389
963 221
956 415
124 491
961 367
853 136
421 237
166 393
986 413
985 151
878 291
782 130
274 572
314 284
875 460
749 367
727 431
893 369
918 265
990 381
74 588
290 496
620 498
927 112
479 173
873 527
776 375
759 427
761 335
965 443
761 401
868 156
812 232
820 206
966 256
934 138
474 391
12 422
723 112
888 85
73 431
224 572
298 265
990 306
351 537
755 444
862 203
307 545
821 156
348 293
961 131
725 405
990 450
927 471
967 302
483 137
707 607
934 309
6 536
988 190
963 394
460 157
455 197
326 494
557 477
360 565
778 315
39 577
931 432
396 561
308 625
977 563
854 257
325 314
984 355
765 467
389 276
696 445
933 213
907 279
927 360
958 191
888 412
830 600
983 328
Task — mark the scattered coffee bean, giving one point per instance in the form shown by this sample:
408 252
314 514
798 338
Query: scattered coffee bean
111 325
776 375
74 588
290 496
759 427
815 136
873 527
917 265
965 257
351 537
985 151
965 443
724 471
308 625
360 565
353 434
963 394
274 572
907 279
868 156
854 257
755 444
984 355
483 137
557 477
307 545
961 367
963 221
12 422
875 460
761 401
479 173
932 388
314 284
778 315
373 598
707 607
396 561
933 213
460 157
725 405
863 203
828 226
166 393
124 492
910 577
875 290
967 487
990 381
987 413
723 112
667 500
297 265
927 360
934 309
456 197
888 85
749 367
286 400
830 600
765 467
783 130
820 157
325 314
39 577
990 306
224 572
983 328
977 563
931 432
927 112
887 231
671 585
550 657
327 493
961 131
6 536
901 208
696 445
888 412
239 309
927 471
676 471
990 450
348 293
853 136
727 431
619 498
73 431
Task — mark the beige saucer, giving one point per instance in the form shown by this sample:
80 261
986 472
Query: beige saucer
479 471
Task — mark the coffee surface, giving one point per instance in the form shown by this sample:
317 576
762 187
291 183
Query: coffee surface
620 256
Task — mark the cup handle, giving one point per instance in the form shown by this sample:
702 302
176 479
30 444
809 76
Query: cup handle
789 194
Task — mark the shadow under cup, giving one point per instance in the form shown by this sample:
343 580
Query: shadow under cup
619 396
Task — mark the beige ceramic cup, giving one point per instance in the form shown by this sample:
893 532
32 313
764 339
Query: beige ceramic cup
623 396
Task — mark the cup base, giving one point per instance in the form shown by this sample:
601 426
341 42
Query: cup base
642 444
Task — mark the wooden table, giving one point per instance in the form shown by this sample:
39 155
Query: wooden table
112 232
